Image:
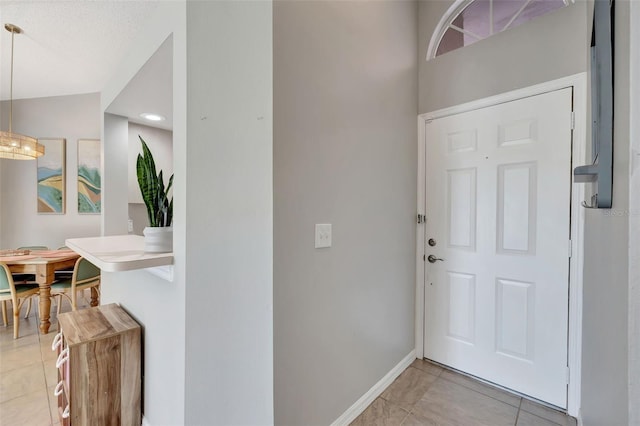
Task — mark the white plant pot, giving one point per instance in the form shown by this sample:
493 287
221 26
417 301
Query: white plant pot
158 240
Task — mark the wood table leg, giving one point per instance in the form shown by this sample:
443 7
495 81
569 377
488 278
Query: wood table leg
45 308
45 298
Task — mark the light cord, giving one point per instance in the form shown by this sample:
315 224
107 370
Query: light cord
11 85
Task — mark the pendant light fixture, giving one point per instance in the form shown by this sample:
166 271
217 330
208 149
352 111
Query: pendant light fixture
14 145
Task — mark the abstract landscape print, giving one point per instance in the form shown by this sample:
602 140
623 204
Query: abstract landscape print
89 180
51 176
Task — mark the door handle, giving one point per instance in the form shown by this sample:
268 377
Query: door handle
433 259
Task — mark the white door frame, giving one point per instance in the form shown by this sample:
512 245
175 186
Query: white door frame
579 157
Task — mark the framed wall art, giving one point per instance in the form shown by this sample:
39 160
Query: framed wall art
89 177
51 177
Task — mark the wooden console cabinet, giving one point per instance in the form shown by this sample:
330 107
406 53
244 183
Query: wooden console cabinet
99 367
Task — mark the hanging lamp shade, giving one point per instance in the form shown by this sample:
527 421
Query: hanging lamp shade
14 145
19 147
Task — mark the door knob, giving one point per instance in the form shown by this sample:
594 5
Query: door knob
433 259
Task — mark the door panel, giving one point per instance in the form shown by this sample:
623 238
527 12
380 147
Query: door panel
517 199
498 205
461 193
461 297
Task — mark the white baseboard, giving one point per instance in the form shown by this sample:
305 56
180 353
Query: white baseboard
365 400
145 422
579 417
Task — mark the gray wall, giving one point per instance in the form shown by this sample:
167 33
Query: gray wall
2 244
634 217
345 146
66 117
1 198
115 176
547 48
605 349
229 214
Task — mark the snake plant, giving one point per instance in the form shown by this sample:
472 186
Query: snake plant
154 193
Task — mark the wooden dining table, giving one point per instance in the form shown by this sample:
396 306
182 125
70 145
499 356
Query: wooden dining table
42 263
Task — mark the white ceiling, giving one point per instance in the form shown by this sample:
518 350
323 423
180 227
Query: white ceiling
150 90
67 47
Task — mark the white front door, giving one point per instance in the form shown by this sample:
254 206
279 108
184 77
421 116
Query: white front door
498 202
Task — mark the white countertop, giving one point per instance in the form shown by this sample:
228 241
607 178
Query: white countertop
118 253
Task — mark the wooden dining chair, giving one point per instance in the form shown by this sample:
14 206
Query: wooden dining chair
63 274
85 275
17 295
3 303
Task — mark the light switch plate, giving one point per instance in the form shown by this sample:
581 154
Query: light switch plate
323 235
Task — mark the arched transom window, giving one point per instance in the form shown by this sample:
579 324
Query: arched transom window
468 21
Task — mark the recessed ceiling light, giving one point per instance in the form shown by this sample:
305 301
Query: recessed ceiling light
152 117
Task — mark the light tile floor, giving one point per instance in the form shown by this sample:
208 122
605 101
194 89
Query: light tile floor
425 394
28 370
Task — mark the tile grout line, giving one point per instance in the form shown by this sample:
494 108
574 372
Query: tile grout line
46 391
498 389
41 342
404 419
410 410
44 371
518 413
41 339
482 393
425 392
